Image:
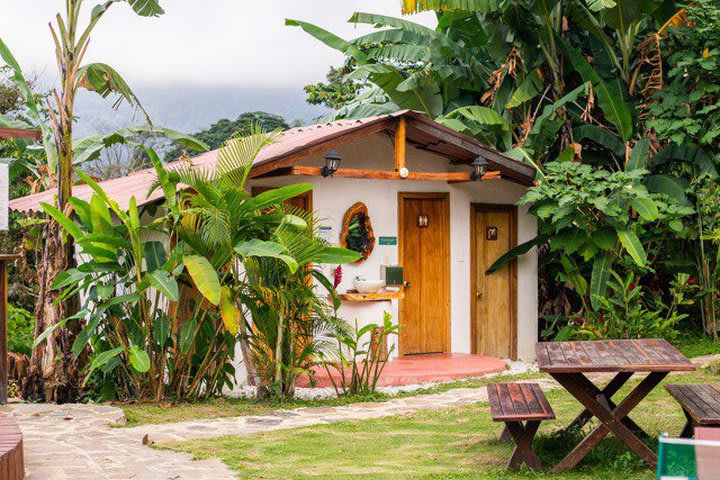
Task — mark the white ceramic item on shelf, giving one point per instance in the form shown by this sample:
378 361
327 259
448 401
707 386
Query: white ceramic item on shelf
363 285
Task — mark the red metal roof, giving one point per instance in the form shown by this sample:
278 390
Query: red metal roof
290 145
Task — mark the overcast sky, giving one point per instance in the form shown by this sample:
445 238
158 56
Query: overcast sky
219 43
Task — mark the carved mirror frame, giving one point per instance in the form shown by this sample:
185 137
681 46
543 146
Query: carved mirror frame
357 208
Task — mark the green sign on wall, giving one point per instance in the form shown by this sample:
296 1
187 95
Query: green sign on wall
388 241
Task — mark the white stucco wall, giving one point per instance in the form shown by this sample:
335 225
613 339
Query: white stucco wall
333 196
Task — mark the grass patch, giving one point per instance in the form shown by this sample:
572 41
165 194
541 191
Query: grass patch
459 443
154 413
696 344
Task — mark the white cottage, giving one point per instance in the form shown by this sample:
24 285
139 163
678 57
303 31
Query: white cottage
414 182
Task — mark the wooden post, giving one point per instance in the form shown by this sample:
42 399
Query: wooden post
400 143
4 260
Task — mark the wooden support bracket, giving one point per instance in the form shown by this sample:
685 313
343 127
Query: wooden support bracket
400 144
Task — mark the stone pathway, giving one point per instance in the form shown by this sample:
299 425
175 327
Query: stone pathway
77 442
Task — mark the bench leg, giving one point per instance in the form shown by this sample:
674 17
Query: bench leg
523 436
688 430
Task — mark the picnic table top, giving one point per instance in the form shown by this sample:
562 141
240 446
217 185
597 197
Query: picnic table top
641 355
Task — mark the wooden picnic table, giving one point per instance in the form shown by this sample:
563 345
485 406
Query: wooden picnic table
569 362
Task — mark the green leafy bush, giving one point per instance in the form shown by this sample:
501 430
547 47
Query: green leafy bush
20 328
627 311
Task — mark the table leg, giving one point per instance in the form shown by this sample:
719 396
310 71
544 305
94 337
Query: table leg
612 419
688 430
608 391
523 436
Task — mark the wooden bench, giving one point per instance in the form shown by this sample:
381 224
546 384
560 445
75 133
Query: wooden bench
700 404
513 404
12 466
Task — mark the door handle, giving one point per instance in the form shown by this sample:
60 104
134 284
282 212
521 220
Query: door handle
479 295
406 284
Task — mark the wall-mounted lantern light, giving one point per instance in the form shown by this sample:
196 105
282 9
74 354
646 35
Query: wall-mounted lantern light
479 168
332 163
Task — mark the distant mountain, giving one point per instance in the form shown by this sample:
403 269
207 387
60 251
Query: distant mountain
190 109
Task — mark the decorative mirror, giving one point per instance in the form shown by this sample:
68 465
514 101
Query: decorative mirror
357 233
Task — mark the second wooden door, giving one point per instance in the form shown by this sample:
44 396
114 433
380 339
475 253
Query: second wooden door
493 296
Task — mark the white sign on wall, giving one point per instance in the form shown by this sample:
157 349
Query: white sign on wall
4 194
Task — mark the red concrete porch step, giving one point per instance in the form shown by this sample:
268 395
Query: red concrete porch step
411 369
11 450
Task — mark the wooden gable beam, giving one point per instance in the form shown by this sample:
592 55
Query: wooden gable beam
524 173
21 133
452 177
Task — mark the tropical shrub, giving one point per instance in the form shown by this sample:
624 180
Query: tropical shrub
130 283
358 356
20 330
258 256
626 311
597 220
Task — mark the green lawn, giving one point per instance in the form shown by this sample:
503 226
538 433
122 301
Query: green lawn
146 413
458 444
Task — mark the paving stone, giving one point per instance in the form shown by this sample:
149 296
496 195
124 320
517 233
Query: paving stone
77 442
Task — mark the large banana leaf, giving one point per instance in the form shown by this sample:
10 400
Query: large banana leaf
610 98
479 6
514 253
601 136
481 115
632 245
638 156
330 39
671 186
528 89
204 276
104 80
90 148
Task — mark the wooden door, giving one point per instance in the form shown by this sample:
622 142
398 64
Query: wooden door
493 297
424 224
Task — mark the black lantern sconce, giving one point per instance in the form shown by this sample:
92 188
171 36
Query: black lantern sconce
332 163
479 168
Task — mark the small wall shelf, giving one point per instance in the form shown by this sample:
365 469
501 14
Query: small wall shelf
354 296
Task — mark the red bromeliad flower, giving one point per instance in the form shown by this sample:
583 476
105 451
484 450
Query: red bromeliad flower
337 276
690 281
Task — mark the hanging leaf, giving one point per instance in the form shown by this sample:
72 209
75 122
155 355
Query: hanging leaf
481 115
154 254
204 276
610 98
336 255
163 282
671 186
187 335
599 277
514 253
260 248
229 312
530 87
139 359
104 80
632 245
638 156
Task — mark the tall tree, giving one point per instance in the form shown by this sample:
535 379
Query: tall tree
54 374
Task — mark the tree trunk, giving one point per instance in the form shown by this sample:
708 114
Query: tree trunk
54 374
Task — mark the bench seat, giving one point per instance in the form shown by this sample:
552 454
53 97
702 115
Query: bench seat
513 404
700 403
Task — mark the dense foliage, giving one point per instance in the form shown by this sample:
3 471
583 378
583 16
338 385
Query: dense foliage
615 103
168 292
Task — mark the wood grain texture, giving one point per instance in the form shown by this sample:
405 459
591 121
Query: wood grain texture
356 209
363 174
518 402
641 355
425 257
20 133
493 298
12 463
700 402
400 144
354 296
